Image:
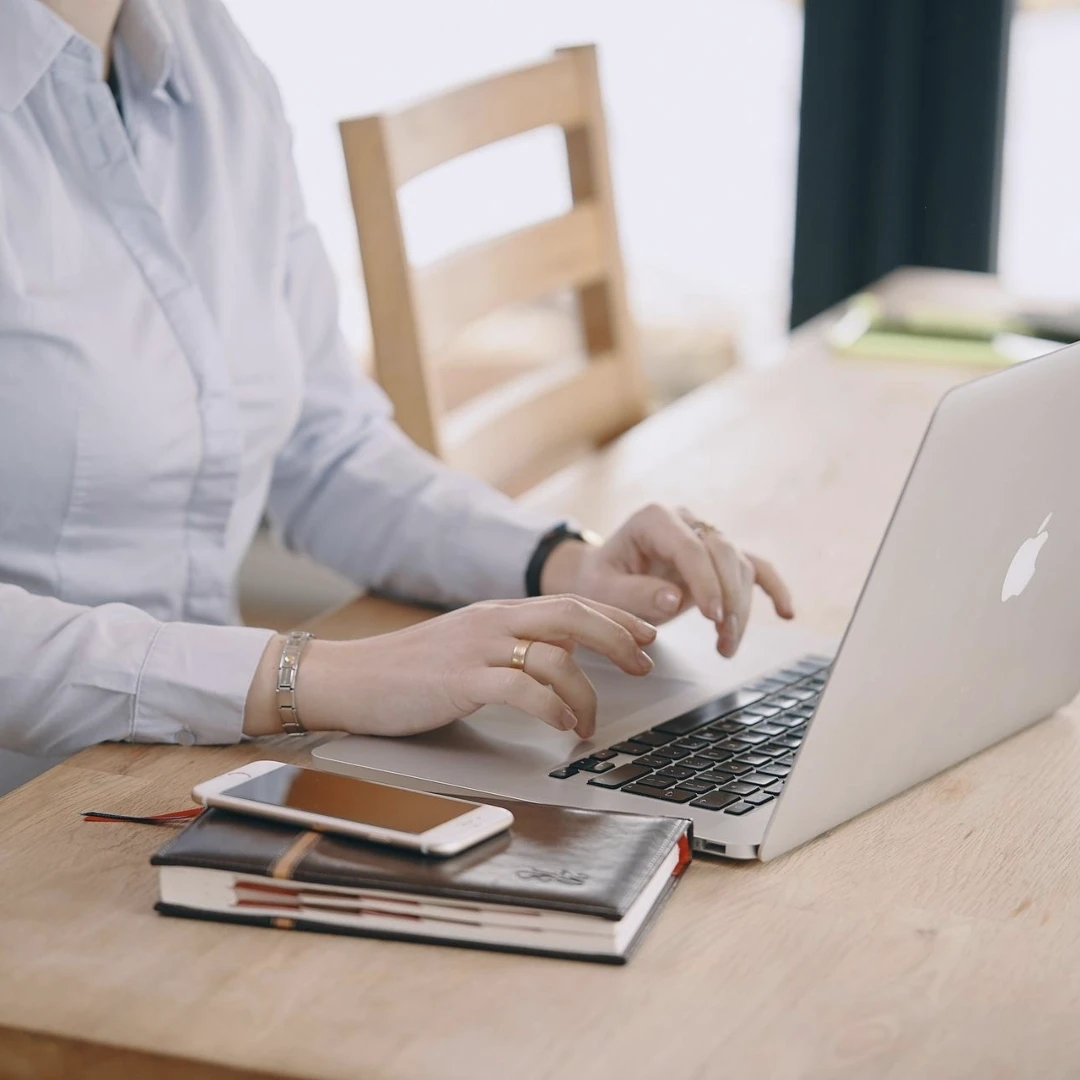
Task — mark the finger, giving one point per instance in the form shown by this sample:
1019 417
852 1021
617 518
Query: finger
677 543
652 598
737 581
555 667
773 585
507 686
643 632
556 618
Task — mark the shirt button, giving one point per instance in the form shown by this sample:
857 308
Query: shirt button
185 737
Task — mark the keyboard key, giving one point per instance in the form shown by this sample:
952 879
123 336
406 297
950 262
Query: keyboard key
658 780
691 742
631 746
740 788
696 764
754 759
678 795
716 800
787 759
776 788
792 742
750 738
737 767
624 774
707 735
718 776
764 711
728 744
710 711
652 738
776 770
769 729
745 720
772 751
676 772
768 685
795 673
725 727
674 752
564 773
583 763
675 795
758 779
637 789
787 720
698 786
651 762
719 752
600 766
782 701
603 755
740 808
801 693
760 799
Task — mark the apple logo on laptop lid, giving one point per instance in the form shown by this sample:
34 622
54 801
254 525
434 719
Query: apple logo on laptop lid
1022 568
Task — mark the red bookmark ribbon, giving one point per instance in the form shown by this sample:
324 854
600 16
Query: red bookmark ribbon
174 817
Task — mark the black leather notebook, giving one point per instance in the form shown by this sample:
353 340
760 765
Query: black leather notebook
572 883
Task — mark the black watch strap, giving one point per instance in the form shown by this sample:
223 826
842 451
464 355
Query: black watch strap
548 543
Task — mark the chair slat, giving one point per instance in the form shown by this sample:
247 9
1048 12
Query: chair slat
506 432
512 269
441 129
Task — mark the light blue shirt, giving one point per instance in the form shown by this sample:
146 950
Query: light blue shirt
170 370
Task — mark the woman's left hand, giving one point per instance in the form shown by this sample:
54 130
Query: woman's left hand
663 561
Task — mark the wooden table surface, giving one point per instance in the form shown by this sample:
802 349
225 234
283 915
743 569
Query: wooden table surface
937 936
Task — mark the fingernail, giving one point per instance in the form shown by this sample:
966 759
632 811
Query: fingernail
731 625
718 613
668 601
569 721
645 663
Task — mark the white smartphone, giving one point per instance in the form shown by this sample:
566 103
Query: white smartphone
329 802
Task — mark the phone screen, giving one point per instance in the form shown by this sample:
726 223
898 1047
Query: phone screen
351 799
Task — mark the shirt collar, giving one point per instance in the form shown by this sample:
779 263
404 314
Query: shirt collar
32 36
31 39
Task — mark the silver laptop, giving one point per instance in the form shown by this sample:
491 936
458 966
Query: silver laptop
967 630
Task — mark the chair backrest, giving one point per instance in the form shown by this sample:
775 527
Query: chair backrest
512 432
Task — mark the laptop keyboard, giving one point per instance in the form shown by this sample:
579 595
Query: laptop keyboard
732 754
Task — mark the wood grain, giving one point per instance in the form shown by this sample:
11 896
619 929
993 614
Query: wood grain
937 936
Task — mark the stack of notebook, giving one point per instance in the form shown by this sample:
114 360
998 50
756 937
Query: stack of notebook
563 882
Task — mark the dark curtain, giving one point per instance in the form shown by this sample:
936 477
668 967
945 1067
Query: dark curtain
902 119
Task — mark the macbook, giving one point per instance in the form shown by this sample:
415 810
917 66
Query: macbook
967 630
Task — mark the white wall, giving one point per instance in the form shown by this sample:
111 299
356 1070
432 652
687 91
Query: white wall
702 106
1040 218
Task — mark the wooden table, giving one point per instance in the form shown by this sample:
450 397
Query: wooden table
938 936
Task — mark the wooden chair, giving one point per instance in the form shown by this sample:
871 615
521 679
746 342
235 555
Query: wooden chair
524 430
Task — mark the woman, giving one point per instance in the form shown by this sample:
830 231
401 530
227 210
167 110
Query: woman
171 369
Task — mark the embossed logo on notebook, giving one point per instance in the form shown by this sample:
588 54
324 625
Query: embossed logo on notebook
550 877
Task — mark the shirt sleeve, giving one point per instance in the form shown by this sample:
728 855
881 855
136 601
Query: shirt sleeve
72 676
352 491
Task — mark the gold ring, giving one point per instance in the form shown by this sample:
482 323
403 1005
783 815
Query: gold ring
703 528
517 658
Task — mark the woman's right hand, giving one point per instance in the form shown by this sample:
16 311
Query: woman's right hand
427 675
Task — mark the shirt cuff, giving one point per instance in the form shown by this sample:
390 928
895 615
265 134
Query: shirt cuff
194 683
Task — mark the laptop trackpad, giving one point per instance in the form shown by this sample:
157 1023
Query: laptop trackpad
618 694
